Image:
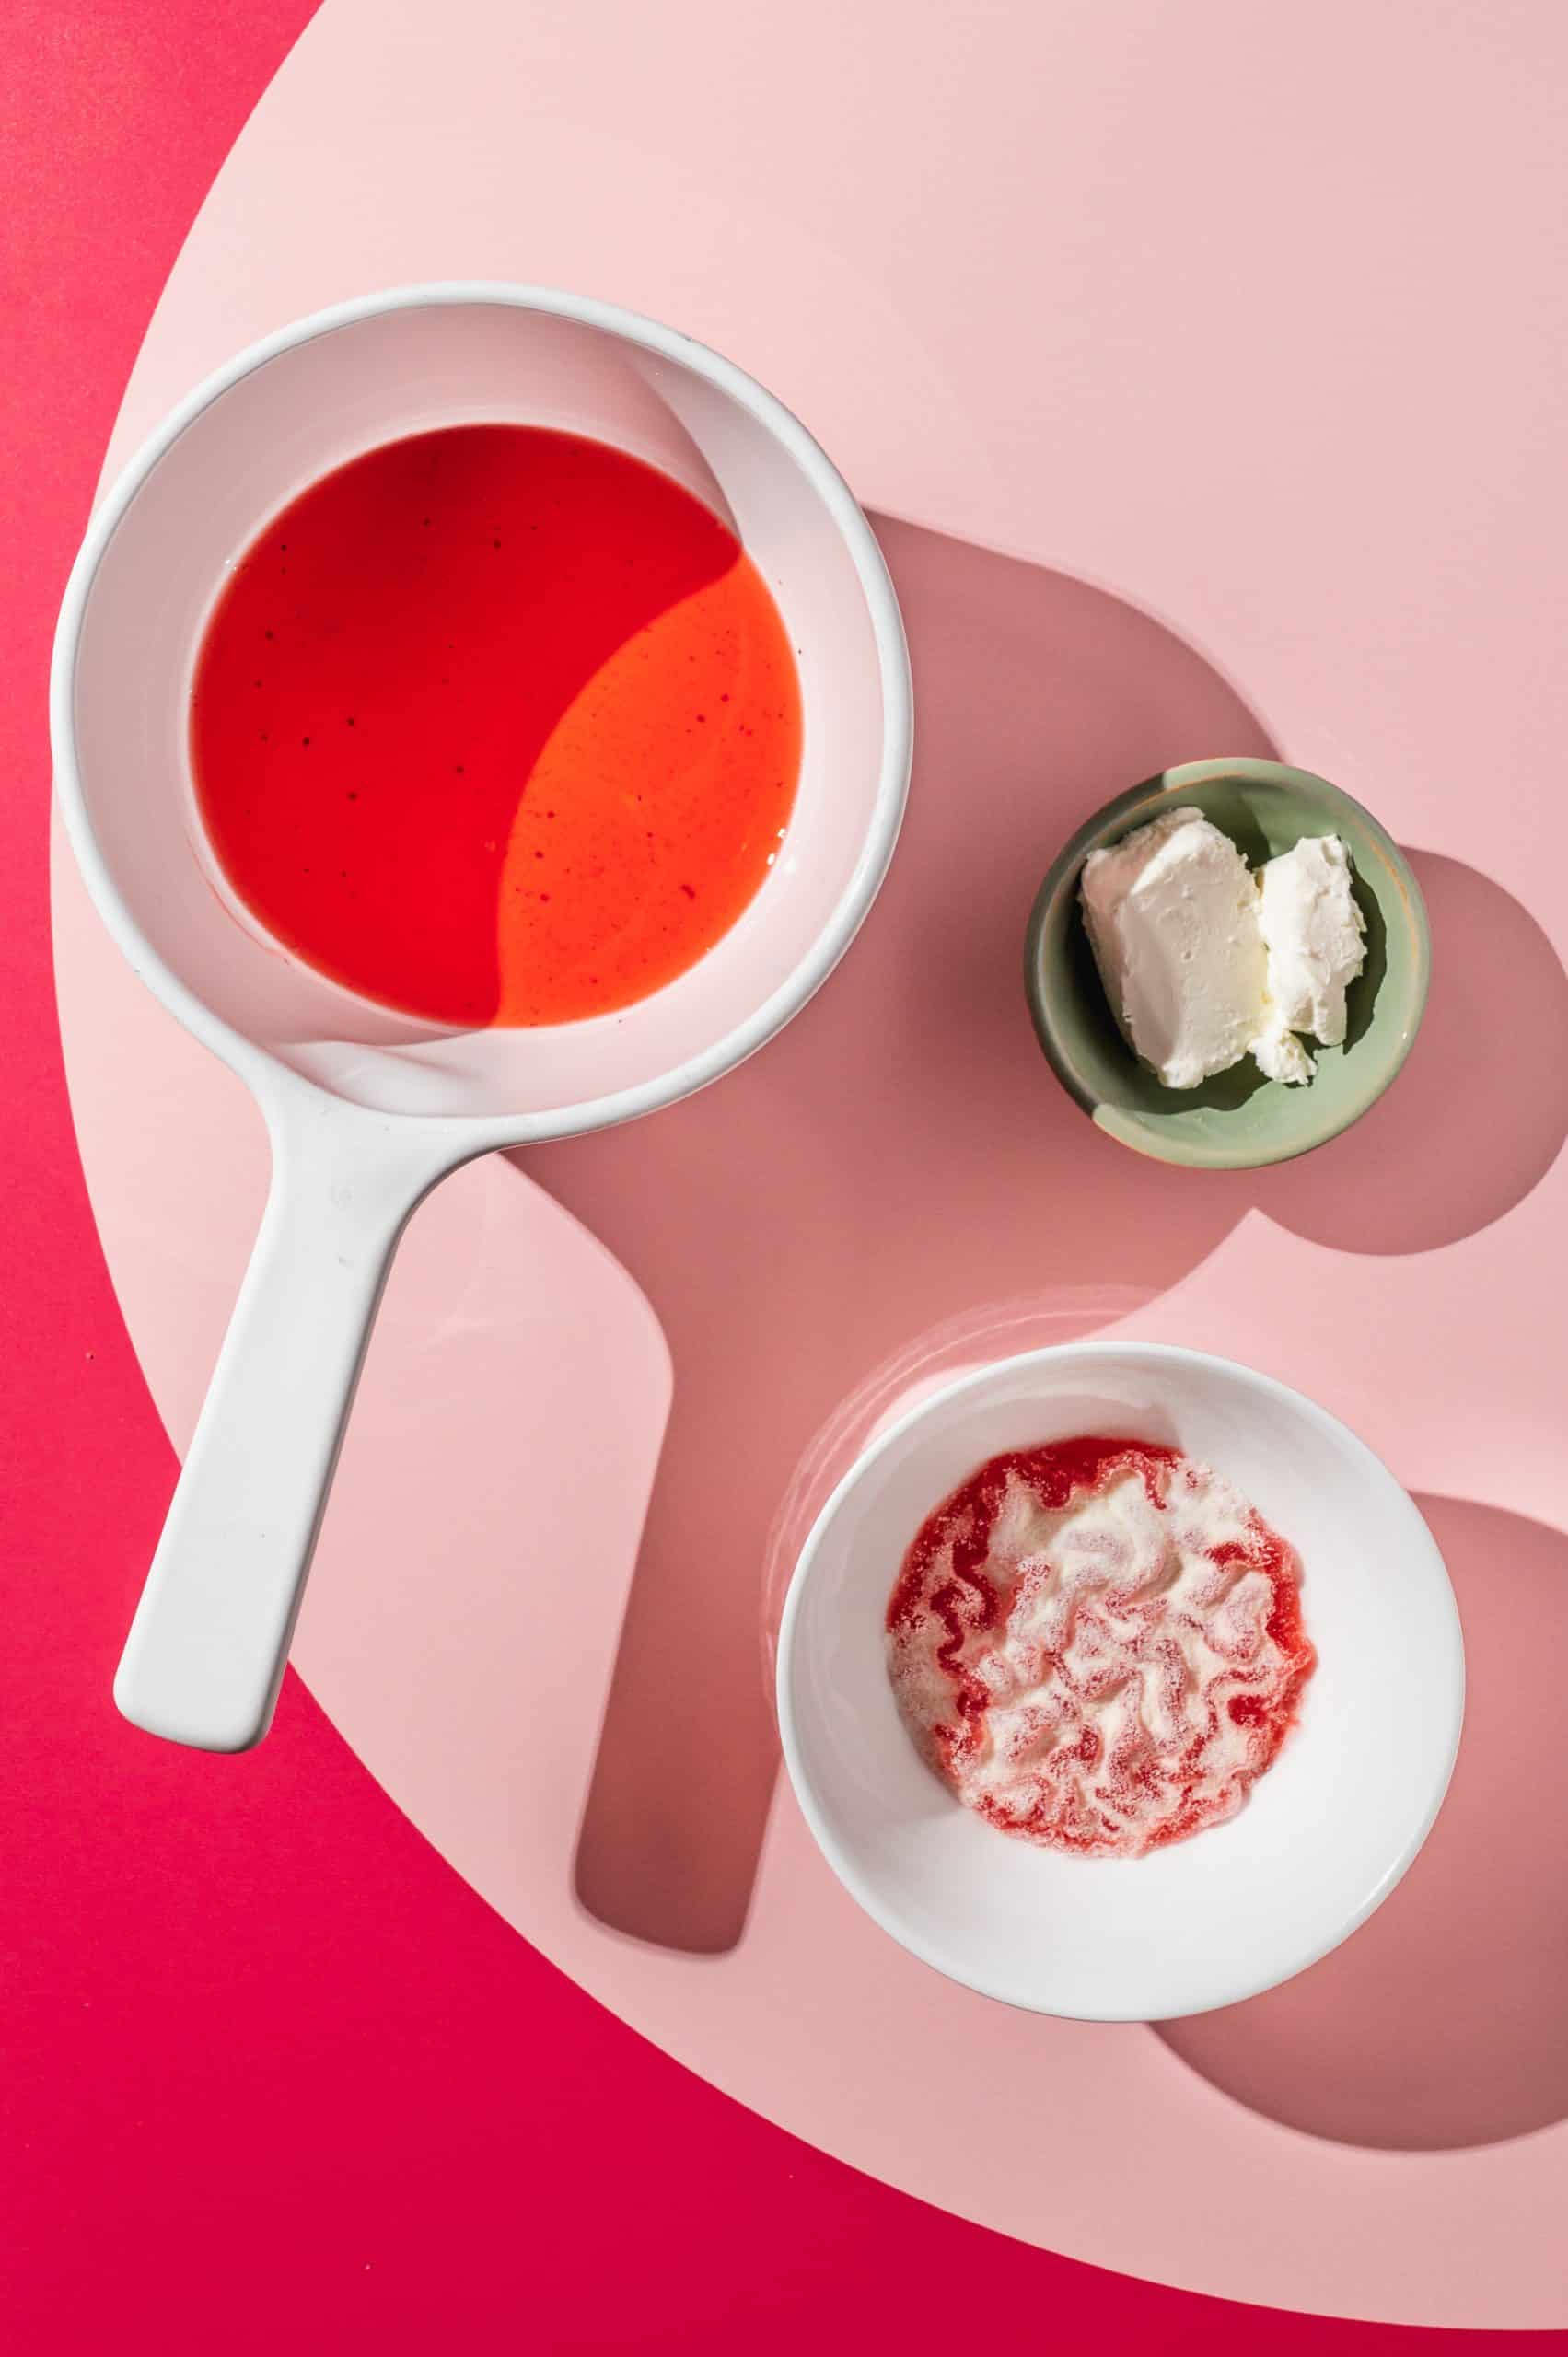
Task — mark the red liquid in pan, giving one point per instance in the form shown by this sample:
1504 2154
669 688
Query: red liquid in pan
496 725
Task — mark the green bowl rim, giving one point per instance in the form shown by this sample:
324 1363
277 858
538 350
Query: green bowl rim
1170 785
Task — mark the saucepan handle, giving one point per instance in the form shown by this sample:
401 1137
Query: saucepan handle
205 1654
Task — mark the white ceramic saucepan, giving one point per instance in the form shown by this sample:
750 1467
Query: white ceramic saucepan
366 1108
1324 1835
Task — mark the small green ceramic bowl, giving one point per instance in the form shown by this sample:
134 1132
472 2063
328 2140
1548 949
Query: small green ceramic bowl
1237 1120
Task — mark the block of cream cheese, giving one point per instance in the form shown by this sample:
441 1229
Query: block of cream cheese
1313 935
1172 912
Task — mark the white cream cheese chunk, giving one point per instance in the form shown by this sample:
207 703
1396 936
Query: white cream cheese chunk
1280 1055
1313 935
1204 962
1172 912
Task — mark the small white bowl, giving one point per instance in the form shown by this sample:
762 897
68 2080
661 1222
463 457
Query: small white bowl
1324 1836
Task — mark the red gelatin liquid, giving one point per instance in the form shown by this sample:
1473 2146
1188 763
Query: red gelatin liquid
496 726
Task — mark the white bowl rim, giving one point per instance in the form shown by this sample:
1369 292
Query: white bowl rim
1056 1353
250 1059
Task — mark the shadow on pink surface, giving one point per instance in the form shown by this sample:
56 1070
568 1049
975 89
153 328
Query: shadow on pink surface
1439 2025
1479 1113
902 1153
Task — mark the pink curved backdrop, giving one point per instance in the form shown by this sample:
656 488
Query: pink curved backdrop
1178 308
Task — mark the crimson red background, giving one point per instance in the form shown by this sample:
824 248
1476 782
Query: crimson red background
272 2073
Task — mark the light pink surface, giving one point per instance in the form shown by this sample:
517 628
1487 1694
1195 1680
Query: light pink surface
1258 317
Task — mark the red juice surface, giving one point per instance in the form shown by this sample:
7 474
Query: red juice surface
496 726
